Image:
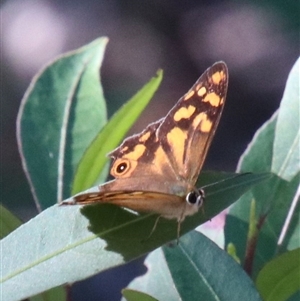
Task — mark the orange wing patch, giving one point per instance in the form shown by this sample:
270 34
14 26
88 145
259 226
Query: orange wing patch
205 123
202 91
176 139
145 137
137 152
213 99
188 95
160 160
217 77
184 113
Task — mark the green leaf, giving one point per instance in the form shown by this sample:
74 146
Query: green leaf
279 278
132 295
213 275
8 222
273 200
52 134
262 143
69 243
196 267
54 294
286 151
94 158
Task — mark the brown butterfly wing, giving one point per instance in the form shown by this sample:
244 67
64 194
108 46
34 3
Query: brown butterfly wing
140 163
186 132
164 204
167 205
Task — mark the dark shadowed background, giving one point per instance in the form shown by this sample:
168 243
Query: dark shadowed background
259 41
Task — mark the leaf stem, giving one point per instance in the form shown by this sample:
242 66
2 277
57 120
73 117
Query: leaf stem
253 232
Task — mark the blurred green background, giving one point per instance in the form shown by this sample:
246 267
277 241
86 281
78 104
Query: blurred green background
259 41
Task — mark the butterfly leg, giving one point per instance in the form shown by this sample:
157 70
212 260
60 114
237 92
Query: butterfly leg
179 221
178 231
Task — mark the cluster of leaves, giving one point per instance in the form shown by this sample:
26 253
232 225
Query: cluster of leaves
63 153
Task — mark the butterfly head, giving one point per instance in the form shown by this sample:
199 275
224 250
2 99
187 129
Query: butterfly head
195 198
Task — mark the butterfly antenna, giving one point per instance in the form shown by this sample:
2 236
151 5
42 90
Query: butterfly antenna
179 221
224 180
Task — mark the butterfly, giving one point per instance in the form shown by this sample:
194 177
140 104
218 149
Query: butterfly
157 169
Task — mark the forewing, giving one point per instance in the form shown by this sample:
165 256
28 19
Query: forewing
167 205
186 132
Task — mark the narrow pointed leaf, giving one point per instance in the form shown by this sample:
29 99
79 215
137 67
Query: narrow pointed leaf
69 243
286 151
280 278
94 159
52 130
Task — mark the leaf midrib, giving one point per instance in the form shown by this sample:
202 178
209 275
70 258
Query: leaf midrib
73 245
200 274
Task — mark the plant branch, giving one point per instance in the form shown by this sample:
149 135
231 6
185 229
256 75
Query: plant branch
253 232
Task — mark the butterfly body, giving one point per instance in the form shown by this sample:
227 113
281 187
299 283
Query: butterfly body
156 170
